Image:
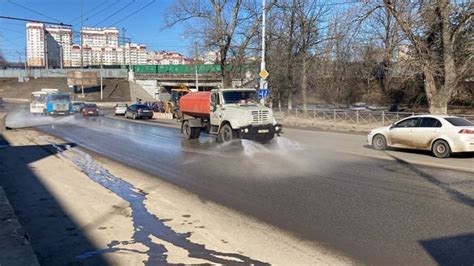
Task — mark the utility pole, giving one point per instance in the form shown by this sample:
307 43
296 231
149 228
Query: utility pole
123 45
196 64
46 59
26 57
61 52
263 81
82 53
101 67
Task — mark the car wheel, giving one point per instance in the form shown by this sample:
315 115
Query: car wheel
441 149
379 142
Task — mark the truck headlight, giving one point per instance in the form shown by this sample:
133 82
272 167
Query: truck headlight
278 128
246 130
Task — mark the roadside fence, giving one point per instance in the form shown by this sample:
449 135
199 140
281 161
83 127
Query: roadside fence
355 117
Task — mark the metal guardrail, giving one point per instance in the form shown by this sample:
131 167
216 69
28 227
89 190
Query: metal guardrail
58 73
357 117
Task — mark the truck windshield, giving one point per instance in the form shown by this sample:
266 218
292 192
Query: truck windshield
59 97
245 97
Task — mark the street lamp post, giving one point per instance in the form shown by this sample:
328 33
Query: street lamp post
263 81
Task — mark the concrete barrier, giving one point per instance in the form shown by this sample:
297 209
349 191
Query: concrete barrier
3 118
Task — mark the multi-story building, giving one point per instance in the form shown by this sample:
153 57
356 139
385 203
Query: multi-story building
100 37
135 54
58 46
164 58
35 44
48 46
53 47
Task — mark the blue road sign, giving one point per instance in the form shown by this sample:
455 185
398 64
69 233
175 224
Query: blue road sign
263 93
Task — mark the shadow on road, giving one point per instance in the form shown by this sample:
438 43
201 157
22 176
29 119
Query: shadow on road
54 236
455 250
463 155
453 193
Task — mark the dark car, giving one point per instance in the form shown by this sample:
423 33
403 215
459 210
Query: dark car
77 106
137 111
90 109
2 103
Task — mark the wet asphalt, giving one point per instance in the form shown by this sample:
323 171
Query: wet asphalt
308 183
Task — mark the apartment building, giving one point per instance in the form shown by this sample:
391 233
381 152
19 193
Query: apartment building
35 44
53 47
100 37
48 46
164 58
58 46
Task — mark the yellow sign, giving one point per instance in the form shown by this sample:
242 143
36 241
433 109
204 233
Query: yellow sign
264 74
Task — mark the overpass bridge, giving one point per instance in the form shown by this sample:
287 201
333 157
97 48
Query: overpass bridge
147 85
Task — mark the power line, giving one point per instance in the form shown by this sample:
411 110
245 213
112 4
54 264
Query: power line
92 9
135 12
31 10
115 13
35 20
100 11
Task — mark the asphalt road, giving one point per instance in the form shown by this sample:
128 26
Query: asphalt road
321 186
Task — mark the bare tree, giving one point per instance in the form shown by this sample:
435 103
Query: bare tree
226 25
441 43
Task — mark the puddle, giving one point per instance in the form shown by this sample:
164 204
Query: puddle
146 225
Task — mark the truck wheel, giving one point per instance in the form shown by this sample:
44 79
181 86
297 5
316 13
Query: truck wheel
190 132
226 134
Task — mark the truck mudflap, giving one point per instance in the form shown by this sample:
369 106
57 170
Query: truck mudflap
260 131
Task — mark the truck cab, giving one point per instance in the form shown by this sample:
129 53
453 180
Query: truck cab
59 103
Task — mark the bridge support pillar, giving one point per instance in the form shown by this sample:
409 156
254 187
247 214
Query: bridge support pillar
131 76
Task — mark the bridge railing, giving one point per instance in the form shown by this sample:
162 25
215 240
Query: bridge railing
58 73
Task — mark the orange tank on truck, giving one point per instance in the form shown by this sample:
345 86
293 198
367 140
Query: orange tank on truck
227 113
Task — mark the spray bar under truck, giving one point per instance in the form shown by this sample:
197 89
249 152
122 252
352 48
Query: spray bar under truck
227 113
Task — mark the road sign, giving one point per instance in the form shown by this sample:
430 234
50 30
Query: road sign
264 74
263 93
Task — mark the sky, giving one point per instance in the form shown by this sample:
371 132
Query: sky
147 26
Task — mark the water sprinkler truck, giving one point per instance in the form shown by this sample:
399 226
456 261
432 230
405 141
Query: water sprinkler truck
227 113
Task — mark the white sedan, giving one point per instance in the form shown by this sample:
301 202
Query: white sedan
442 135
121 109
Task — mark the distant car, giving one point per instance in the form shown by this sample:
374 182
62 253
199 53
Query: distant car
137 111
2 103
77 106
442 135
90 109
121 109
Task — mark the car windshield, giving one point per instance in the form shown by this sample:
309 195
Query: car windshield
38 97
59 97
240 97
78 104
121 105
459 122
91 105
142 106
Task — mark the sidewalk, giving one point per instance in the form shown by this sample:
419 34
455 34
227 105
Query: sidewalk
15 248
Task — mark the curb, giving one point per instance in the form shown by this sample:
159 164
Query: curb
14 242
146 122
